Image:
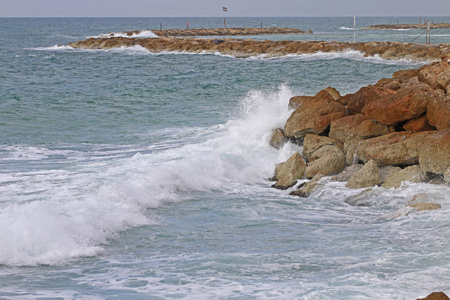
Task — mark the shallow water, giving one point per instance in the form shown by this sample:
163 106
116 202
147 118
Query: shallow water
126 174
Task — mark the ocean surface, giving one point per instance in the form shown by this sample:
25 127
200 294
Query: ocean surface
131 175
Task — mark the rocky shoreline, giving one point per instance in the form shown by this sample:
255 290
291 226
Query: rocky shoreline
248 48
394 131
405 26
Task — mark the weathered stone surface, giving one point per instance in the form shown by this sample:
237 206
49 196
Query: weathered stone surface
364 198
387 171
411 174
424 206
395 149
341 128
329 94
438 112
350 145
447 176
328 160
371 128
289 172
366 95
397 108
419 198
434 150
436 296
348 172
296 101
443 80
312 117
314 142
405 75
419 124
429 75
306 189
367 176
278 139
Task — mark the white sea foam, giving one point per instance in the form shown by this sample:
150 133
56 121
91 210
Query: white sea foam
140 34
53 216
345 28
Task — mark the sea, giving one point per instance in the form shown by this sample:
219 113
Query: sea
126 174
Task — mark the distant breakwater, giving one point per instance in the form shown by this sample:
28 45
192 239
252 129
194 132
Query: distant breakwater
247 48
219 31
405 26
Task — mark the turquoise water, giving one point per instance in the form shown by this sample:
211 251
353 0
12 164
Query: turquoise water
131 175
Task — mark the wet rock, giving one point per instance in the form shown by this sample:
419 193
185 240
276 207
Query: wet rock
363 198
367 176
411 174
328 160
312 117
447 176
306 189
314 142
387 171
424 206
436 296
348 172
289 172
278 139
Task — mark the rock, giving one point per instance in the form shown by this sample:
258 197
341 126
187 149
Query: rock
398 108
443 80
288 172
436 296
396 149
348 172
387 171
314 142
330 94
361 199
419 124
405 75
306 189
350 145
296 101
278 139
429 75
447 176
411 174
364 96
341 128
367 176
217 41
328 160
371 128
424 206
438 112
419 198
434 150
312 117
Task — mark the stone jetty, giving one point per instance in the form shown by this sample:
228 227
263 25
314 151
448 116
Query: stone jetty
243 48
219 31
405 26
395 130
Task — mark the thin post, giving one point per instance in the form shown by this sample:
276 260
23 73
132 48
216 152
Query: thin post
429 32
354 29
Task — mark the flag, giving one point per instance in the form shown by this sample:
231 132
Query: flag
224 9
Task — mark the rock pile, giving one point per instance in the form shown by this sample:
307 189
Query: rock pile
406 26
248 48
384 134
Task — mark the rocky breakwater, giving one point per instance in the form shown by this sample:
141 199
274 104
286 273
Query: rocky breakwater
394 131
248 48
405 26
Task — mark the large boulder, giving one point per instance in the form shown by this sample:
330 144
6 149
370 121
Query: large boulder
296 101
314 142
411 174
329 94
447 176
307 188
289 172
367 176
429 75
407 105
348 173
371 128
434 150
313 117
350 145
328 160
419 124
341 128
278 139
387 171
364 96
438 112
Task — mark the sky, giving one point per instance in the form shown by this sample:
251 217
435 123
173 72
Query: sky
213 8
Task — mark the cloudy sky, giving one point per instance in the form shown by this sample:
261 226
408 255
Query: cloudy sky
212 8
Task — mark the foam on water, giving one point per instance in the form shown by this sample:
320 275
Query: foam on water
53 216
140 34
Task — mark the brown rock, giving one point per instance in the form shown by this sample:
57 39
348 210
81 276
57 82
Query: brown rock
364 96
344 127
330 94
348 172
429 75
328 160
434 150
278 139
443 80
296 101
288 172
306 189
387 171
411 174
312 117
350 145
397 108
438 112
447 176
436 296
405 75
314 142
371 128
367 176
424 206
419 124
